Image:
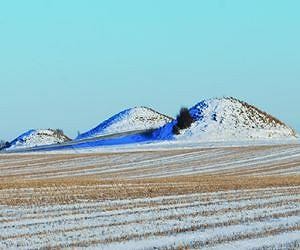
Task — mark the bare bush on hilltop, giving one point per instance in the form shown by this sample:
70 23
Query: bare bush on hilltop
60 134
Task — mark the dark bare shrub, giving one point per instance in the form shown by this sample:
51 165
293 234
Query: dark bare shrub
184 120
60 133
4 144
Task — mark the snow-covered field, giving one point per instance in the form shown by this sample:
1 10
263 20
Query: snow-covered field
214 197
213 219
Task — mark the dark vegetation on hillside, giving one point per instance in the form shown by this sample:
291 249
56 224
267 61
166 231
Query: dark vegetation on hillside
60 133
184 120
4 144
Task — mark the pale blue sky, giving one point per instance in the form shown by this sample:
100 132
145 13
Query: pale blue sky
71 64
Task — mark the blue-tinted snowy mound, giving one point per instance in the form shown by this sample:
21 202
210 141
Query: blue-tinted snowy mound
134 119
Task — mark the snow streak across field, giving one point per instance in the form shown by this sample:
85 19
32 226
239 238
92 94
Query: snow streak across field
210 198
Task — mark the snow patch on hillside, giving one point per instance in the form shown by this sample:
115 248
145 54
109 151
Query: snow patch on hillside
134 119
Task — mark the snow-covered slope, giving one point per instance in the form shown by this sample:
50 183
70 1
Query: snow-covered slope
229 119
138 118
39 137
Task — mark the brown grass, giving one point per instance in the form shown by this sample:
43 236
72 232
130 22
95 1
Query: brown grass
69 190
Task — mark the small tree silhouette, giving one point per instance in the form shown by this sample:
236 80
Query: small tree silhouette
59 132
184 120
4 144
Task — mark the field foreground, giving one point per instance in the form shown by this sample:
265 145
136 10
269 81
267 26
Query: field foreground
216 198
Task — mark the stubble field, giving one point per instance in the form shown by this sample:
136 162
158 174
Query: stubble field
223 197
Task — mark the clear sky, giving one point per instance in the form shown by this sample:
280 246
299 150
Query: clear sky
71 64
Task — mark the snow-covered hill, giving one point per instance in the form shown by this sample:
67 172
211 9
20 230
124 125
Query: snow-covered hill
39 137
134 119
218 119
229 119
